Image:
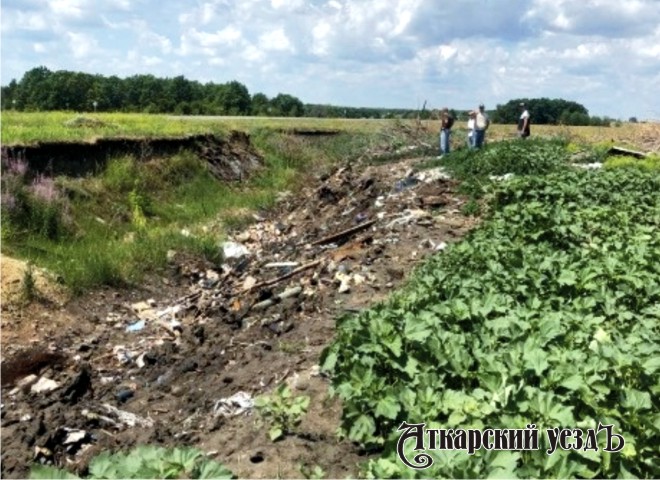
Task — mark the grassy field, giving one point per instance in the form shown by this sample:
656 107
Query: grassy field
20 128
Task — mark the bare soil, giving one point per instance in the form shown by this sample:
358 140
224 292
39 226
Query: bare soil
207 335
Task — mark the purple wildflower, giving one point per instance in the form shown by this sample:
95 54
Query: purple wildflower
17 166
44 188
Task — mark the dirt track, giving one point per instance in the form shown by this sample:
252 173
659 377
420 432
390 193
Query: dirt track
208 334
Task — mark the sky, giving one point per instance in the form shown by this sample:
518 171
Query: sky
604 54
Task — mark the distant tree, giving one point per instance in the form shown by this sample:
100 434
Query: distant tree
34 89
632 119
233 99
286 105
543 111
259 105
9 95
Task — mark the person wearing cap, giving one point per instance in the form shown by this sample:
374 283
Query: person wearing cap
470 128
481 124
446 122
523 122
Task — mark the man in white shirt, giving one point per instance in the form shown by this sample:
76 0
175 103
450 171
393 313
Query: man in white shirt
523 122
481 124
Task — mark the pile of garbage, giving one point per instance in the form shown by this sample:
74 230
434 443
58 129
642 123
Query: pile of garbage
175 369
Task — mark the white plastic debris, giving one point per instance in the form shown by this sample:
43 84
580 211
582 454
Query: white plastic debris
122 354
44 385
172 311
589 166
501 178
74 436
237 404
26 382
428 176
249 282
136 327
234 250
409 216
127 418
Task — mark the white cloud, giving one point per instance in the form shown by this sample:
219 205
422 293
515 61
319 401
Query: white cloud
82 45
68 8
253 54
321 33
151 39
287 4
275 40
350 52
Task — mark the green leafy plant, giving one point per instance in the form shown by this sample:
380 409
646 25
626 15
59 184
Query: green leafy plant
546 314
144 462
312 472
138 203
471 208
282 410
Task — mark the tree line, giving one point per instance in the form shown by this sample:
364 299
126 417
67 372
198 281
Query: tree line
41 89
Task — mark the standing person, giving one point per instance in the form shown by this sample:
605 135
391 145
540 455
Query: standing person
523 122
446 122
481 124
470 127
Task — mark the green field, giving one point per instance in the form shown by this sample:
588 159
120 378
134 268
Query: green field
21 128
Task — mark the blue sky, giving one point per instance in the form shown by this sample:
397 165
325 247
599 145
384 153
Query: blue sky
604 54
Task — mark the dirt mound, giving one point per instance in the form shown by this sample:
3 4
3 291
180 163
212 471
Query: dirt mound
161 366
13 276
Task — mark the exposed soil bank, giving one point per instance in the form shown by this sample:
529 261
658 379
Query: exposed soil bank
230 158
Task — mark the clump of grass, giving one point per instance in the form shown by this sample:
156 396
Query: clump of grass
651 162
29 290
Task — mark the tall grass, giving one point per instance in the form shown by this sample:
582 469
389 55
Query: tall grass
122 221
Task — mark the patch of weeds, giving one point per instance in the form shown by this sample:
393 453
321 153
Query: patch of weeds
139 203
471 208
29 290
31 206
652 162
120 174
282 411
144 462
312 472
114 227
291 347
